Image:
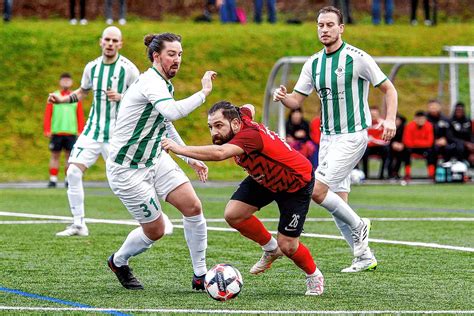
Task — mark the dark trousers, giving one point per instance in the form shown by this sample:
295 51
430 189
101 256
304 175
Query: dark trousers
382 152
7 10
395 159
122 10
427 153
376 10
426 8
271 9
72 9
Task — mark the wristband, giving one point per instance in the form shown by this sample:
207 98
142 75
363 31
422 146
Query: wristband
73 98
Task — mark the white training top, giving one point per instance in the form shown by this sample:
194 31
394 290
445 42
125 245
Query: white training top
101 77
143 119
341 80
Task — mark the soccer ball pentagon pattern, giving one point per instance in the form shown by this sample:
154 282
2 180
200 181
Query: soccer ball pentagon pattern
223 282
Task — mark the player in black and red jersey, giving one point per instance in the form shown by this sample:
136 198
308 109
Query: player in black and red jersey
276 173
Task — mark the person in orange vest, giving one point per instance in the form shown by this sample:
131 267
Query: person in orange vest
418 138
62 123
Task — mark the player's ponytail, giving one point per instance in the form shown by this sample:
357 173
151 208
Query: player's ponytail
155 42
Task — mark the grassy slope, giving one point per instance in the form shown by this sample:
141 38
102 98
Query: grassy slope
409 278
34 53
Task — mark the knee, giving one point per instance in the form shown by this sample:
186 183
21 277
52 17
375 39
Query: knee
195 208
155 231
288 246
232 218
74 174
319 192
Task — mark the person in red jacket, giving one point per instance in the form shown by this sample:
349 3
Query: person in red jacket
62 123
276 171
418 138
376 145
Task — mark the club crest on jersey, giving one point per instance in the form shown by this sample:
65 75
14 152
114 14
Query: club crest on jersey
339 71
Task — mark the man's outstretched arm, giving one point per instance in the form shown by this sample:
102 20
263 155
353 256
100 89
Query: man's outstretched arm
206 153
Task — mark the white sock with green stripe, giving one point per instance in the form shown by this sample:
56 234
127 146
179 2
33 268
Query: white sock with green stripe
136 243
195 232
75 194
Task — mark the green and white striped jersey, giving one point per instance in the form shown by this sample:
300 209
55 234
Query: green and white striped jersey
140 126
341 80
101 77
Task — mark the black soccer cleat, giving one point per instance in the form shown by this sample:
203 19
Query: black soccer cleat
198 282
124 275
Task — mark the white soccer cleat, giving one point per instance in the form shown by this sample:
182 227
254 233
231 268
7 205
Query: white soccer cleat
74 230
266 261
359 265
168 224
360 237
315 283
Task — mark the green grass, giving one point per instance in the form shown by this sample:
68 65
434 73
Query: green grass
33 260
34 52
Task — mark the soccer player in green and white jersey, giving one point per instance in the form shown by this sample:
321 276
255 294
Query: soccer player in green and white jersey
341 74
108 77
140 172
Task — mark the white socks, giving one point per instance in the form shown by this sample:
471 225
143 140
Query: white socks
75 194
136 243
271 245
340 209
195 232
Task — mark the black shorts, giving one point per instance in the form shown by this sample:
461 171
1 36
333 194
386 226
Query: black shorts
293 206
60 142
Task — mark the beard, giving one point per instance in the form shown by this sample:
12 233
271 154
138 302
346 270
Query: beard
222 139
171 73
328 41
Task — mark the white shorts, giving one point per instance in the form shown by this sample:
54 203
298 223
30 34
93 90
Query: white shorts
338 155
139 189
86 151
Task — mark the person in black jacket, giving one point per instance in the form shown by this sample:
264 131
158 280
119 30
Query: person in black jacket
461 129
444 144
398 152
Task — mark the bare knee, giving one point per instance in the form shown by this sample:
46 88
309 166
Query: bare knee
154 230
288 245
232 218
319 192
195 208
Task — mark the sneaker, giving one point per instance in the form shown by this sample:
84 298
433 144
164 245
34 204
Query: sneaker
83 22
52 184
198 282
109 21
124 275
359 264
315 283
360 237
266 261
122 21
73 21
168 225
74 230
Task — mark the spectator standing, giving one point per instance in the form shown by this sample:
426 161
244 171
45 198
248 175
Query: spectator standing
418 138
376 12
426 9
298 134
62 123
122 12
271 10
444 145
345 7
376 145
82 12
397 153
7 10
228 11
463 135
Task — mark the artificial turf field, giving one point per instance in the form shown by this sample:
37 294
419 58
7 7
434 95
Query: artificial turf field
423 238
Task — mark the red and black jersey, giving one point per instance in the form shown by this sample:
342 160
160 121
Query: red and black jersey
268 159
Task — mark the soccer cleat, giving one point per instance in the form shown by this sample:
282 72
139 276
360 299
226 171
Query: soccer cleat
359 265
198 282
124 275
266 261
74 230
360 237
52 184
315 283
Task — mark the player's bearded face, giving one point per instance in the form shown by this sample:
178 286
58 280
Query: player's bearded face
220 139
170 58
220 128
329 29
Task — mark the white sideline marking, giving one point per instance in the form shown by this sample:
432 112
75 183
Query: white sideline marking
226 229
33 222
223 311
375 219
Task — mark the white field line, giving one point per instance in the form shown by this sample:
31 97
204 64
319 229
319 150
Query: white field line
34 222
226 229
375 219
226 311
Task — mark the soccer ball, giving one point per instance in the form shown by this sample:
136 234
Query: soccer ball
223 282
357 176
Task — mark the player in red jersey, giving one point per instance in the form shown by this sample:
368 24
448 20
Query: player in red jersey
276 173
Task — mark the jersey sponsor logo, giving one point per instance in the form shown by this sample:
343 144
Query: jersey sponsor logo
327 94
293 224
